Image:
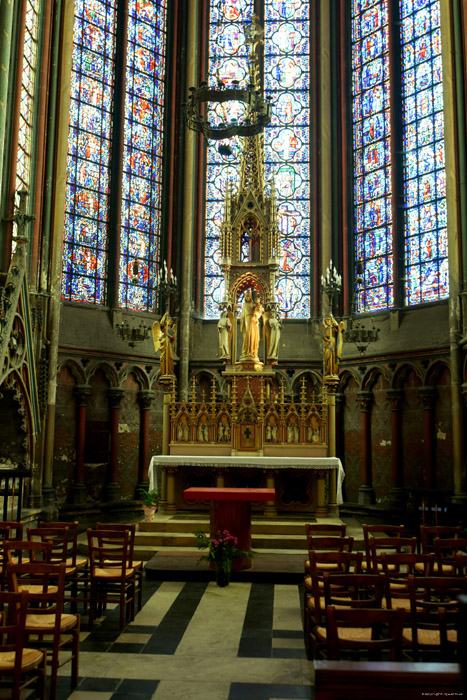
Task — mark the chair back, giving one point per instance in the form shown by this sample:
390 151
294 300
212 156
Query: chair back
339 544
324 530
354 590
47 586
72 543
121 527
445 550
383 631
428 533
376 545
57 536
379 531
109 549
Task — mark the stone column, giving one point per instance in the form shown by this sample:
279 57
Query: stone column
270 508
78 489
395 494
112 489
366 493
321 507
170 506
145 398
428 395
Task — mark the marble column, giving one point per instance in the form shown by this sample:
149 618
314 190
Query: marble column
428 395
366 493
112 489
395 495
270 508
78 489
145 398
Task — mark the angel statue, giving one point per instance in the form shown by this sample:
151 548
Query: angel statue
164 335
272 332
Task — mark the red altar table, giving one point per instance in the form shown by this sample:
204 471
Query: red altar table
231 510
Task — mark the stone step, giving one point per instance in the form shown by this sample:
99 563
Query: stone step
188 539
257 527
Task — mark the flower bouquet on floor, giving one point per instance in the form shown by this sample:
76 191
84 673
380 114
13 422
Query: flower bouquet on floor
222 549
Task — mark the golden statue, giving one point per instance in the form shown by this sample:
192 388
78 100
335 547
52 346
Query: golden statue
252 311
333 342
164 335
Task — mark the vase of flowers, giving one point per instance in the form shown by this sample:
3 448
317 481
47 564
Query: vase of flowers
222 549
150 503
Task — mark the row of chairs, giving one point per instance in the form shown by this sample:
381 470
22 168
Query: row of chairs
50 580
413 594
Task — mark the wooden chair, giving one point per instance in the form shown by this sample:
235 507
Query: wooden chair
369 631
378 531
377 545
77 566
396 569
46 623
21 668
132 563
434 610
445 551
428 533
20 552
314 604
111 580
325 530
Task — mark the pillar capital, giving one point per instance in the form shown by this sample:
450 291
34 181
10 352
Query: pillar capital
145 398
81 393
427 394
395 396
115 395
366 399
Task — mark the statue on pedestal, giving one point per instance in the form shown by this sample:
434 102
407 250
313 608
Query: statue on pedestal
164 335
333 342
252 311
272 332
225 335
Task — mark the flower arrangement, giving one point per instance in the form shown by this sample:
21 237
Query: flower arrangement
149 498
222 549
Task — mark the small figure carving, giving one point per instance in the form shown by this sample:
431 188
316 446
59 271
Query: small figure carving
272 332
164 335
333 341
271 430
292 431
223 430
182 430
225 335
313 430
203 432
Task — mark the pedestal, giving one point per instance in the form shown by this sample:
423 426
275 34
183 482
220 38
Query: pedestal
234 516
366 496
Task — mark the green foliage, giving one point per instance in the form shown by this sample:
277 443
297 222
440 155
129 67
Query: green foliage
149 498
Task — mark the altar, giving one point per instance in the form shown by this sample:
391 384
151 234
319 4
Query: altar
302 484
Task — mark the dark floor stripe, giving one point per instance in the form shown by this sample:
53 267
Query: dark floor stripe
168 634
256 639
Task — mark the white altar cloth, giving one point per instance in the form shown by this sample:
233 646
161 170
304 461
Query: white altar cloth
279 463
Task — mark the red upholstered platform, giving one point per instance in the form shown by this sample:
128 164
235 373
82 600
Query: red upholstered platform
231 510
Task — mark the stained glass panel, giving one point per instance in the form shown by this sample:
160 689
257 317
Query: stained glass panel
89 144
287 149
26 111
287 145
372 154
424 175
142 156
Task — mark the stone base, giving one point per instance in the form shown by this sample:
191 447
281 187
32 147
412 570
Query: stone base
112 492
366 496
78 494
396 499
333 510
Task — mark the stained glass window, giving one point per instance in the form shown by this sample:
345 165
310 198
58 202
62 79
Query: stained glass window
142 154
424 186
228 61
424 174
27 96
287 145
286 83
372 152
89 144
90 149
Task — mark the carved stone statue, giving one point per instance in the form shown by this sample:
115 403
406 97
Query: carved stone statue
333 341
252 311
272 332
164 335
225 335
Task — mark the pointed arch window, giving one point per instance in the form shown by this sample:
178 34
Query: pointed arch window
287 140
89 253
381 149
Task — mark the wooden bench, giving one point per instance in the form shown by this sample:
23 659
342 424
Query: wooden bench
386 680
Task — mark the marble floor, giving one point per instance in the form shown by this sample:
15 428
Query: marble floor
196 641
